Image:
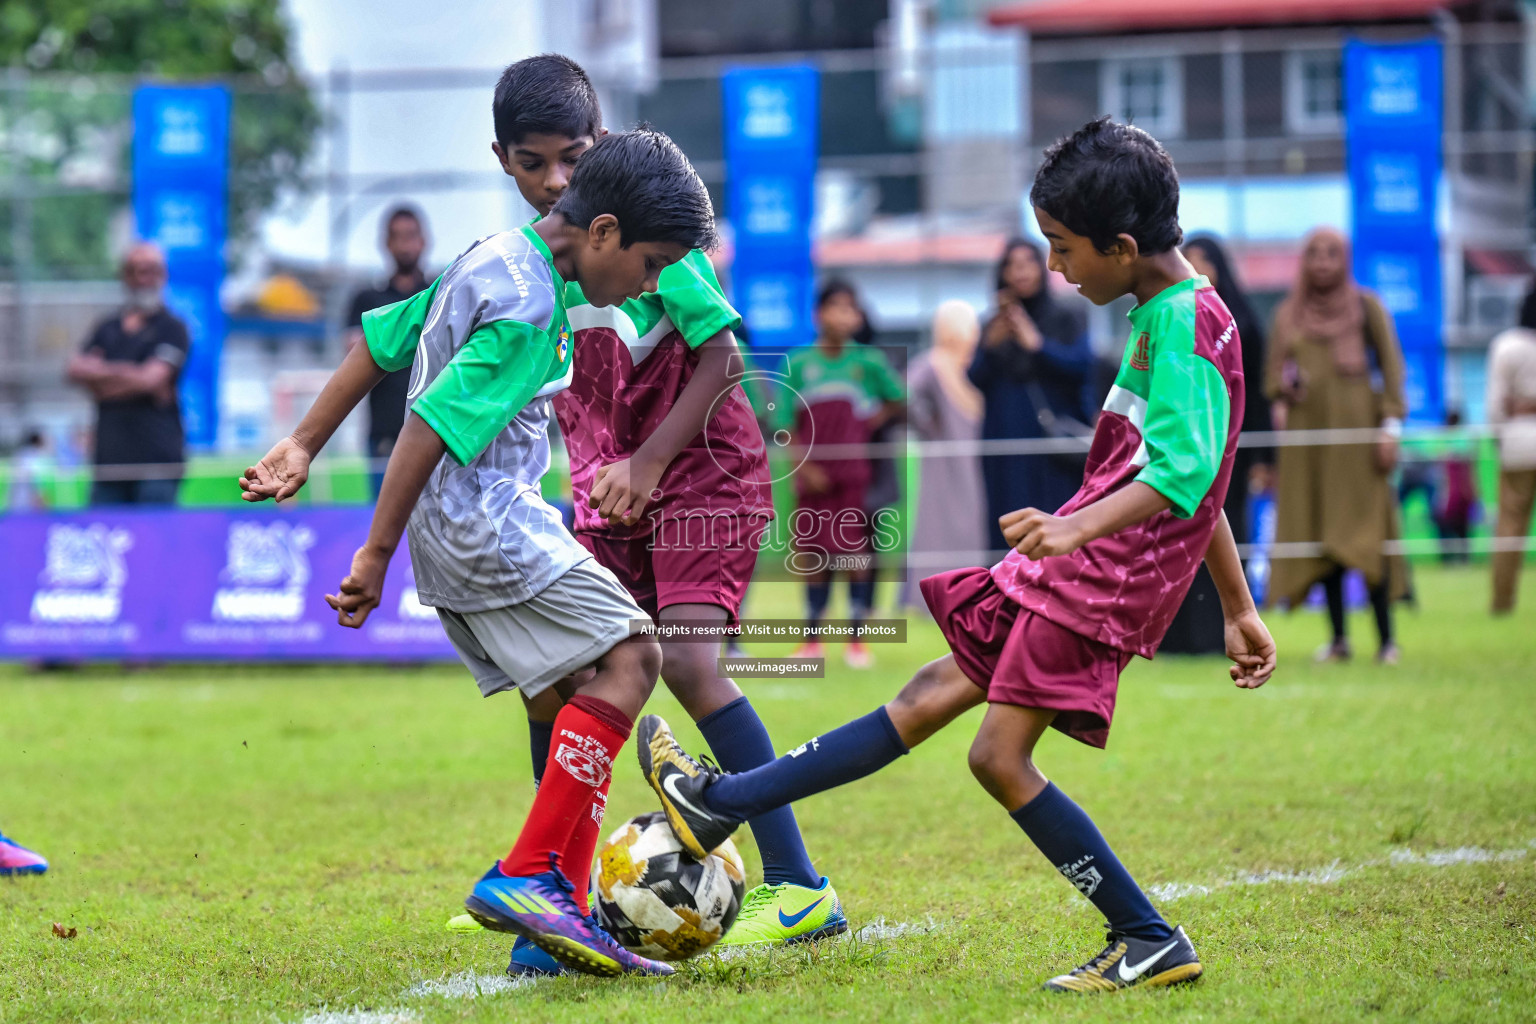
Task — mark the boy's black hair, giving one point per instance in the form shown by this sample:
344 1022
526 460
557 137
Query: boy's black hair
1107 179
831 288
550 95
1528 309
645 181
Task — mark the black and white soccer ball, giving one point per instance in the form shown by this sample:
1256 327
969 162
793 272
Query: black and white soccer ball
656 899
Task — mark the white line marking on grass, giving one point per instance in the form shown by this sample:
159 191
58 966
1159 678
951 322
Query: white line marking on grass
879 929
468 985
1331 873
361 1017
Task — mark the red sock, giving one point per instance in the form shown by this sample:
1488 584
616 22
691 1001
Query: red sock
581 849
587 736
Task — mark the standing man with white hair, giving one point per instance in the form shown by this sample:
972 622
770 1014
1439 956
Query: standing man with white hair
130 365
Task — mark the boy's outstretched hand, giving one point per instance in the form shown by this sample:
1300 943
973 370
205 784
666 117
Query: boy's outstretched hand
279 474
362 589
1251 649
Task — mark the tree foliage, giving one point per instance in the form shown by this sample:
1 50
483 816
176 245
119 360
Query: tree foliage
68 127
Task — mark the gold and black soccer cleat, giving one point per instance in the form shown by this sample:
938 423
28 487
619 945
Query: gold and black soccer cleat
1127 961
680 782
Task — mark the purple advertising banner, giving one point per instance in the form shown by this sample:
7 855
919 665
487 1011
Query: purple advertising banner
215 586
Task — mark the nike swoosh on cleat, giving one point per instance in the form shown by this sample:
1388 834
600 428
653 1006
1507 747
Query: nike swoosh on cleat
1130 972
668 785
790 920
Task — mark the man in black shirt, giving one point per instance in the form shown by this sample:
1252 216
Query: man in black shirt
130 365
405 239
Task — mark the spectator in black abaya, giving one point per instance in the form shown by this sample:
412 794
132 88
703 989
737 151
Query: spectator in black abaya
1034 353
1198 627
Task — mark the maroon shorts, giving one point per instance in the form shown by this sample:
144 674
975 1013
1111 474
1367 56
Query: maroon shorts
658 574
832 522
1021 658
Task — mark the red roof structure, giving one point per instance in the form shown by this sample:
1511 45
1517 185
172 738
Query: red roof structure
1074 17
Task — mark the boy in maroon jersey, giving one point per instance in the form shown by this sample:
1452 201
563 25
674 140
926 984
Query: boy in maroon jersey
1043 636
669 473
836 393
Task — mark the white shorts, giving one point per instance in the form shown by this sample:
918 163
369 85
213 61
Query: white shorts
564 627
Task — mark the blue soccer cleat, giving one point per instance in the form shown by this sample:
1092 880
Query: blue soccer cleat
529 961
541 909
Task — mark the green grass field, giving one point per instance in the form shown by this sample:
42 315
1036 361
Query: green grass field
284 845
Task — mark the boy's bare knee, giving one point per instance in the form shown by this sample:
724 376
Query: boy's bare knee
986 764
931 700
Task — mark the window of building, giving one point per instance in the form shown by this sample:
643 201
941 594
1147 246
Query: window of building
1314 92
1145 91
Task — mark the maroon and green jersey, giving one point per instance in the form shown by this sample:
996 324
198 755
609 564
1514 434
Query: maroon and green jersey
830 399
631 363
1171 421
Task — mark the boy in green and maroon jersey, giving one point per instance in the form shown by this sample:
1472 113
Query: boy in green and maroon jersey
669 475
1043 636
836 393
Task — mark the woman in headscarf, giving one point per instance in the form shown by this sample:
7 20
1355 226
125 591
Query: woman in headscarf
1034 352
943 405
1334 363
1210 259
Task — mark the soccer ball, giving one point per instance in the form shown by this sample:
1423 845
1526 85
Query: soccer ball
659 902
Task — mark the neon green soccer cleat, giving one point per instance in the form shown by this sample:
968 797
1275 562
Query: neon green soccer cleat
464 924
787 914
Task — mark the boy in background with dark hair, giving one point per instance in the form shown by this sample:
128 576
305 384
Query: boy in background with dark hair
524 605
1043 636
837 392
669 476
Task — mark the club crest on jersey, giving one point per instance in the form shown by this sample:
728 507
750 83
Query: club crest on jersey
1139 356
563 342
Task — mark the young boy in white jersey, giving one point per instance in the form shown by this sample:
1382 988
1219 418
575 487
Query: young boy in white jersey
525 606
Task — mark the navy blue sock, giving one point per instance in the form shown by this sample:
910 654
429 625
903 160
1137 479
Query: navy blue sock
739 742
1070 841
817 596
849 752
861 601
540 734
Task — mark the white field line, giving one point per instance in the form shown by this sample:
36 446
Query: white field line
361 1017
468 985
1331 873
879 929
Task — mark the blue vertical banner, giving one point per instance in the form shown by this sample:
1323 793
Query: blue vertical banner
181 202
771 142
1393 113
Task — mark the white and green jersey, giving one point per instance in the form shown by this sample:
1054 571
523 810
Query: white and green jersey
488 342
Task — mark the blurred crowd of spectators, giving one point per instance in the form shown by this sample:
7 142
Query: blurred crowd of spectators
1328 360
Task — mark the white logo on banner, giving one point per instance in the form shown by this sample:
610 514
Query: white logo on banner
412 610
83 574
266 568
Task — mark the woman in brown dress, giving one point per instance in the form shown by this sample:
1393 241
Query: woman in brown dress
1334 363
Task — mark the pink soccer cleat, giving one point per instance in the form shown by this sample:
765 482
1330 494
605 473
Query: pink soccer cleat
16 859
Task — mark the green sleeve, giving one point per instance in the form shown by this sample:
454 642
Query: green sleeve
1186 428
886 385
694 301
783 416
393 331
502 365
